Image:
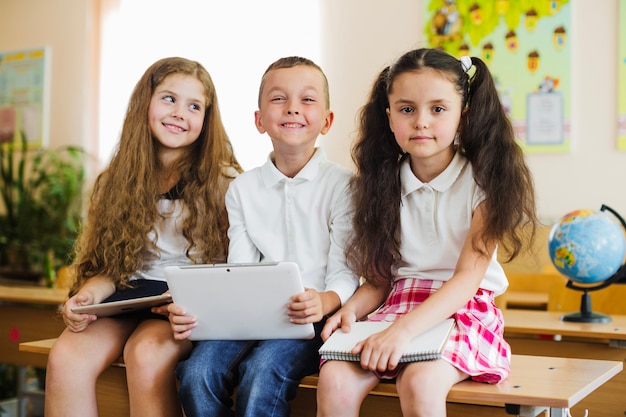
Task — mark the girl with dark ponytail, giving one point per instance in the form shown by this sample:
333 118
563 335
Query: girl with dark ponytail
440 183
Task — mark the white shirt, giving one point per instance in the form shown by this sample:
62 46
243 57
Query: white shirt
434 222
305 219
171 243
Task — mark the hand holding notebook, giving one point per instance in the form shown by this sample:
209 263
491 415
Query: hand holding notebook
427 346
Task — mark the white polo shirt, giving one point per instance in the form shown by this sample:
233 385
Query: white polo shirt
305 219
434 221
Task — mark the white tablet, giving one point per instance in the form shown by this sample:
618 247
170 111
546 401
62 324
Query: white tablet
239 301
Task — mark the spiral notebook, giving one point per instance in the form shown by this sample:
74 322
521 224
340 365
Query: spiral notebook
427 346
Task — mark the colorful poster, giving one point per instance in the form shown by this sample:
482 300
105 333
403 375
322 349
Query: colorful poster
621 96
24 96
526 46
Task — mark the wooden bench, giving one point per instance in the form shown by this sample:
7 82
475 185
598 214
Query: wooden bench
537 384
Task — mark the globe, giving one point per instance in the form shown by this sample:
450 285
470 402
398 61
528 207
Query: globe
587 246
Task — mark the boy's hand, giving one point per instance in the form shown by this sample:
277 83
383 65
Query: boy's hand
306 307
180 323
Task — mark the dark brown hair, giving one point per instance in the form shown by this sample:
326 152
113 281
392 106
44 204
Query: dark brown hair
487 140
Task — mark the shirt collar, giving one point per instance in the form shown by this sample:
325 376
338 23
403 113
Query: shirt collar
440 183
272 176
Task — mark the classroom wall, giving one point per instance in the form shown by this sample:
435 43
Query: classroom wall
70 29
361 40
358 41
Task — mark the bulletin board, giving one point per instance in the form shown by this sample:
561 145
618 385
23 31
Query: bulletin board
24 95
526 45
621 95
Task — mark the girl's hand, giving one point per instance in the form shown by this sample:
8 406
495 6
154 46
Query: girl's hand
180 323
162 310
382 351
77 322
341 319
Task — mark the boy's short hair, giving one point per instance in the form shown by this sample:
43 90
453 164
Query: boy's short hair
290 62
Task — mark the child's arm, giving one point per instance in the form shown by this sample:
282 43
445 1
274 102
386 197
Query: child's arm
93 291
366 299
339 278
241 248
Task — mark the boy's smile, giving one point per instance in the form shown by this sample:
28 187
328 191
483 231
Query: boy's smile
293 109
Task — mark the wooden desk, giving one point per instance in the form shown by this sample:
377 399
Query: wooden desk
32 295
28 313
543 333
523 300
550 323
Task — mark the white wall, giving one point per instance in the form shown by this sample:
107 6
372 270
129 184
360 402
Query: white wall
358 42
359 37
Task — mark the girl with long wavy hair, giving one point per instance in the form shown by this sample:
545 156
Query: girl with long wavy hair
440 183
159 202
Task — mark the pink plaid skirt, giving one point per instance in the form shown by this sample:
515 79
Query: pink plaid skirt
476 345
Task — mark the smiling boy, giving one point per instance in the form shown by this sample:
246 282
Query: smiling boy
295 207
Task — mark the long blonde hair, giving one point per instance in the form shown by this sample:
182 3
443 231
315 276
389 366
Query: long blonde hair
123 206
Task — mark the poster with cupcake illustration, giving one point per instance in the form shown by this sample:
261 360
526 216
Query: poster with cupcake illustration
526 45
621 96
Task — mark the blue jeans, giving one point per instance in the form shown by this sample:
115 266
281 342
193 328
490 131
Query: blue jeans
266 373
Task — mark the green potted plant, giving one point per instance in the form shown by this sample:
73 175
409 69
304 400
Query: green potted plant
40 207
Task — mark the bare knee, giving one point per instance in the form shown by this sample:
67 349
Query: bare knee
423 388
61 355
151 354
65 358
341 388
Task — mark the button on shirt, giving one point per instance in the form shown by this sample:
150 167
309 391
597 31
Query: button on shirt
305 219
434 221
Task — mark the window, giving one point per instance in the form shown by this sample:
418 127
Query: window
234 40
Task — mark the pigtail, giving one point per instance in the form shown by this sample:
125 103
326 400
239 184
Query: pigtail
488 141
375 189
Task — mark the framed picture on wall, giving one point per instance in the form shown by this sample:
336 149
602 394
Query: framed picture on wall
24 96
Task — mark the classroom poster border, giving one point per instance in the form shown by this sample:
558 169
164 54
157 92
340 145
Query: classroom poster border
527 46
621 83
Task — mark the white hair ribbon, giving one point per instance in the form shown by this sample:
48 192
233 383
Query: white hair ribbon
466 63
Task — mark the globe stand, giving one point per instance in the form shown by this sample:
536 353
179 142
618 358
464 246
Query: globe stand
585 315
